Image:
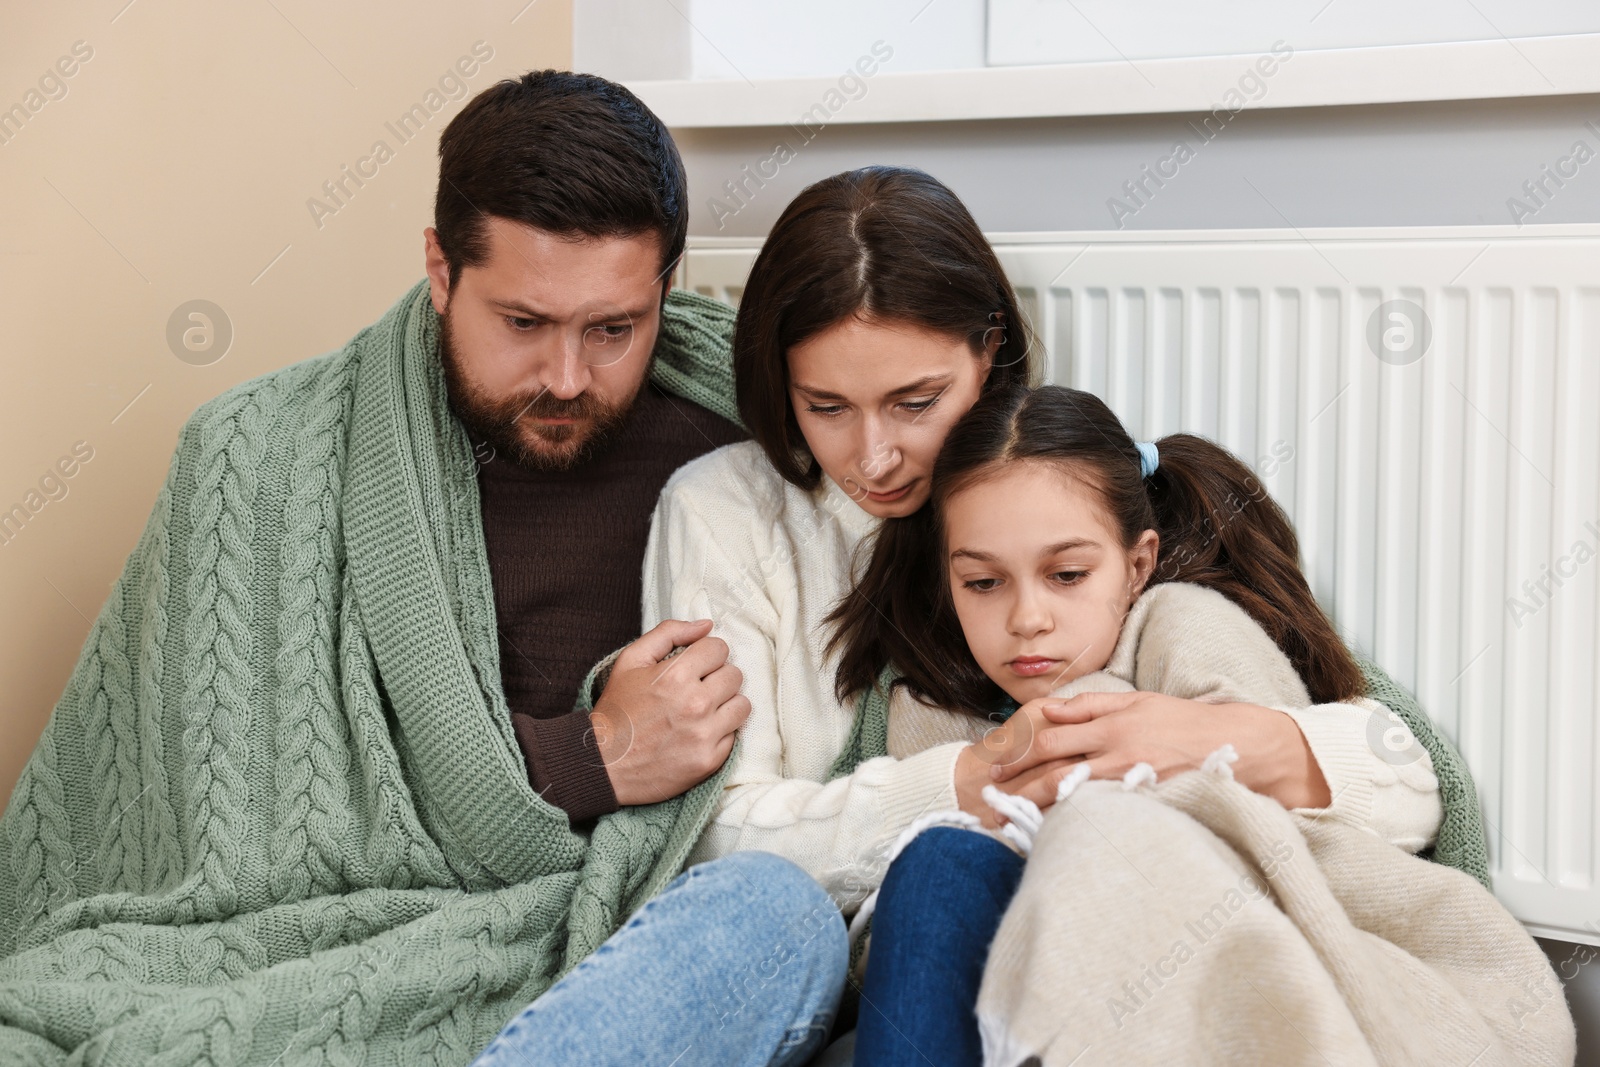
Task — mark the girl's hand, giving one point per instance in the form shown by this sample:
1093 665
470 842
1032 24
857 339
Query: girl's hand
1012 740
1114 731
1005 744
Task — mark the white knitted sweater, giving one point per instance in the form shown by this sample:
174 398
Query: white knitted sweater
733 542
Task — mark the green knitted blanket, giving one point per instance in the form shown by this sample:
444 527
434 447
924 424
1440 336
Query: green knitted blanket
1461 843
279 816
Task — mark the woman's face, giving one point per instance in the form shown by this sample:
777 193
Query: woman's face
875 400
1040 580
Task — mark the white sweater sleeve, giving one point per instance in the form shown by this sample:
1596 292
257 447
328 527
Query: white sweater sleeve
838 831
1379 777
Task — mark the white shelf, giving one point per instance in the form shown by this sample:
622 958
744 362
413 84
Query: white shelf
1461 70
1314 235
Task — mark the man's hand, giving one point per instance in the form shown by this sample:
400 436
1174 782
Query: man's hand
666 722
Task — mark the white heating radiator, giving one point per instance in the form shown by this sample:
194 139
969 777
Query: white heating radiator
1427 488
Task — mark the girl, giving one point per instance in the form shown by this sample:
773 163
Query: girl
1055 557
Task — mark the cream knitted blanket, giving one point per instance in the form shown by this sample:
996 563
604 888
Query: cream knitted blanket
1196 922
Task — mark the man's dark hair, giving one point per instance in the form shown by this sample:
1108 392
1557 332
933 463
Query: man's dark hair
568 153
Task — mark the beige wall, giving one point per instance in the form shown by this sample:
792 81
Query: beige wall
173 164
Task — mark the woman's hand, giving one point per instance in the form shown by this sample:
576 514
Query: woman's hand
1114 731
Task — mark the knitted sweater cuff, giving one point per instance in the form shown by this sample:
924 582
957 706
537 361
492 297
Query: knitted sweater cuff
1336 736
595 682
564 764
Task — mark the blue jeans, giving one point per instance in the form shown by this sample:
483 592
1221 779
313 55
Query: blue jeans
938 910
739 961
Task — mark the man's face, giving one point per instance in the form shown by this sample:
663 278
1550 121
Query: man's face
546 344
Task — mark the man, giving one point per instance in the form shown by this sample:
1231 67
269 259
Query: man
318 786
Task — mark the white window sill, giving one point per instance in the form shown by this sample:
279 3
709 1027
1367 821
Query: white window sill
1461 70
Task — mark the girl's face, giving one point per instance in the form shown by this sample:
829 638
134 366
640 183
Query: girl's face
875 400
1040 579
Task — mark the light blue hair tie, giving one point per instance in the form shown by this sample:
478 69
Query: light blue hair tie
1149 457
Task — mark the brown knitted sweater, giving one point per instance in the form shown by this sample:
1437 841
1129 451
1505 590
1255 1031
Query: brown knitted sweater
565 552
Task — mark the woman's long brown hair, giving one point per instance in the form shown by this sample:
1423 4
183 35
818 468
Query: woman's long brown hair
1218 525
888 243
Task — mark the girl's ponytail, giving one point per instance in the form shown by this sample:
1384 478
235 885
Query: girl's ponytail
1220 528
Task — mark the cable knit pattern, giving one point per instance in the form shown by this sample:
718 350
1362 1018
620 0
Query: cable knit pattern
115 755
278 815
218 639
41 839
313 753
160 843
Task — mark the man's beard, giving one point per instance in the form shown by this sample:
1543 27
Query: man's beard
508 423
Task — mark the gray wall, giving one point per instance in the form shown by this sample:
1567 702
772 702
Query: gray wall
1451 163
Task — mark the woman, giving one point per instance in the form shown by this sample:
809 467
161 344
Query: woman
875 315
